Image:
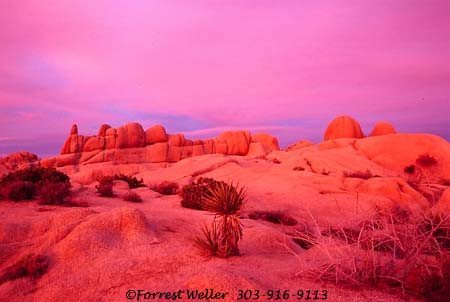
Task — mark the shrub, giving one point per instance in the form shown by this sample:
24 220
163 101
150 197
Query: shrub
411 169
17 190
133 197
426 160
276 217
194 193
132 181
298 168
24 184
166 188
223 237
105 187
276 161
31 265
359 174
54 193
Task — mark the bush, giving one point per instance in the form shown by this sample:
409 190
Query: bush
222 238
132 181
194 193
133 197
276 217
24 184
54 193
166 188
359 174
105 186
31 265
17 190
299 168
426 160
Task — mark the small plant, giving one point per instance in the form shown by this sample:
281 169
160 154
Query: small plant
194 193
299 168
222 238
166 188
132 181
411 169
31 265
359 174
133 197
105 186
55 193
325 172
426 161
276 161
276 217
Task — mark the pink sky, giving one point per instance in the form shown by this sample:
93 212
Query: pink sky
283 67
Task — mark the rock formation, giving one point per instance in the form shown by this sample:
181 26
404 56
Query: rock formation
382 128
131 144
343 127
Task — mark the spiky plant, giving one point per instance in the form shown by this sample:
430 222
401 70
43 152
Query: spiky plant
225 201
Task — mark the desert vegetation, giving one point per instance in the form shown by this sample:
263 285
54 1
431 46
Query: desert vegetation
276 217
51 185
166 188
194 194
132 181
132 197
395 249
359 174
31 265
105 186
222 237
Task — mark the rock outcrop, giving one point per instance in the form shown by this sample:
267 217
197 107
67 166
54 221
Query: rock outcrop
382 128
131 144
343 127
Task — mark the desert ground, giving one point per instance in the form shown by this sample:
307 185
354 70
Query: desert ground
304 217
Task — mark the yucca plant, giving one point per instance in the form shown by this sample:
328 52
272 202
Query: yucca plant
225 201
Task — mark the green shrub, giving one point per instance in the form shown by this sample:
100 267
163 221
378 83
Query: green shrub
132 181
17 190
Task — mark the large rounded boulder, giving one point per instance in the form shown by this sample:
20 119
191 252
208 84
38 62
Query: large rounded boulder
131 135
343 127
237 142
155 134
382 128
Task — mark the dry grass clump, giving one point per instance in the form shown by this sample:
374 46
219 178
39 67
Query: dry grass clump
385 251
298 168
166 188
132 197
31 265
222 237
276 161
105 186
276 217
359 174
